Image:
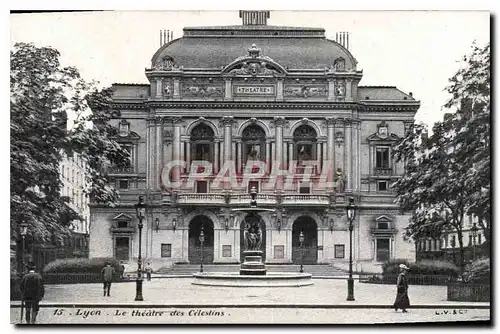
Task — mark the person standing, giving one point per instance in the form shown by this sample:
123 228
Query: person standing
148 271
107 277
402 299
122 270
33 291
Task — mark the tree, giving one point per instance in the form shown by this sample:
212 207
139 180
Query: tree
447 175
42 93
470 94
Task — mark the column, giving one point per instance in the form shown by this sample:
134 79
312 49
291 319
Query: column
355 152
183 158
329 160
285 154
239 157
228 91
268 156
188 155
149 165
216 156
152 168
348 153
318 160
290 152
233 154
159 90
227 121
176 146
279 121
158 153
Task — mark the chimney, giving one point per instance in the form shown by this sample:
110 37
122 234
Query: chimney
254 17
166 36
343 39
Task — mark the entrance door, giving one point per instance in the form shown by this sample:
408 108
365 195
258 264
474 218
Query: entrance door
310 250
194 250
249 220
122 248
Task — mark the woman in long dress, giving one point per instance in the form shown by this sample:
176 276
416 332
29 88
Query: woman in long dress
402 300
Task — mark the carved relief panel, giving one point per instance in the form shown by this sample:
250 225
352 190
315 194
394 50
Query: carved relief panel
202 88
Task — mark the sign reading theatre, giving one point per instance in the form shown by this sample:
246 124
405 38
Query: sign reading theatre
253 90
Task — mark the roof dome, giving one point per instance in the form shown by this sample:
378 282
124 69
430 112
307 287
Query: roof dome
291 47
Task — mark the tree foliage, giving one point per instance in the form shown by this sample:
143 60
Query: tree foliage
447 176
42 93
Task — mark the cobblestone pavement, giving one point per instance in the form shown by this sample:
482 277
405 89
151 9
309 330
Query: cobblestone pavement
298 304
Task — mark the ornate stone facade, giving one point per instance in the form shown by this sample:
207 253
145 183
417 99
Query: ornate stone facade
306 138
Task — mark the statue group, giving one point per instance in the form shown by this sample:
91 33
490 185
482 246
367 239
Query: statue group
252 234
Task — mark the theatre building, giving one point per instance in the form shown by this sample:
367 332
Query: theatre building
277 108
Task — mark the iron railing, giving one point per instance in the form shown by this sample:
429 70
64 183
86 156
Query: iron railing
412 279
466 292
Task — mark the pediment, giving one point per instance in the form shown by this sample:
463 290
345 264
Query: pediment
132 135
383 218
254 64
123 217
377 137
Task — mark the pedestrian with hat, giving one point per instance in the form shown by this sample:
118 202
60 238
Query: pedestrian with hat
108 273
32 290
402 301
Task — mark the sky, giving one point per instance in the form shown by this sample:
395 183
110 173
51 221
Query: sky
417 51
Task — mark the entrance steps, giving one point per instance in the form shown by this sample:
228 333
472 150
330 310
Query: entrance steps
314 269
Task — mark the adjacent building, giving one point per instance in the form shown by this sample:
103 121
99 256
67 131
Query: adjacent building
281 109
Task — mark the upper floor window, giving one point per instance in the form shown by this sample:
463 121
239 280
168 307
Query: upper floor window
305 138
124 128
202 143
382 157
254 143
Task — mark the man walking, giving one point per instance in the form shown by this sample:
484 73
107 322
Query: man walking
32 290
107 277
148 271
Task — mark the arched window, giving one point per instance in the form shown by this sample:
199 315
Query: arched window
254 143
202 143
305 138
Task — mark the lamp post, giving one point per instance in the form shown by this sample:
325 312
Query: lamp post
474 235
140 209
202 239
23 230
301 245
351 213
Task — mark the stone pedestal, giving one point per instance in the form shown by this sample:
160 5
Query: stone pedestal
253 263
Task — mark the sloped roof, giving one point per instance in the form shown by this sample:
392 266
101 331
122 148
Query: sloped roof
293 48
382 93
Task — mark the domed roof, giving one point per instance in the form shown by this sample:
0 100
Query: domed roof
292 48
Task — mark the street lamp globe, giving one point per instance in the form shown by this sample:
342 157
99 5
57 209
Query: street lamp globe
140 208
301 237
23 229
351 209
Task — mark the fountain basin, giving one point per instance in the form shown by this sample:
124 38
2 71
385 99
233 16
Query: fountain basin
238 280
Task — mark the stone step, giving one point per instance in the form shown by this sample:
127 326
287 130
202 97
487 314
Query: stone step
316 270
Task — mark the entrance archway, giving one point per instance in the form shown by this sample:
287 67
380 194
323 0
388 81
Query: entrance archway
249 219
310 229
194 248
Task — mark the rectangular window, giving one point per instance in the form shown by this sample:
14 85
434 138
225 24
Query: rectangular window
382 157
339 251
122 224
279 252
479 239
166 250
226 250
470 239
123 184
304 188
382 185
383 250
201 187
253 184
